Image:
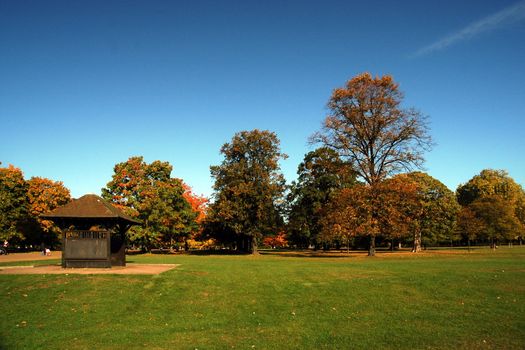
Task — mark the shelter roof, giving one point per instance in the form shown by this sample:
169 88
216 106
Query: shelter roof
89 206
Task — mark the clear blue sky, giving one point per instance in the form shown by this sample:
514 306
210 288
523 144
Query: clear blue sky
87 84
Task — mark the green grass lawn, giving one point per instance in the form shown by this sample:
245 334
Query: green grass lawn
277 301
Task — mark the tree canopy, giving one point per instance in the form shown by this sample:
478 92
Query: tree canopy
496 203
434 212
320 174
149 193
22 202
45 195
248 190
368 127
14 205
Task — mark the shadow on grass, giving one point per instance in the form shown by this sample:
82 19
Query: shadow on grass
309 253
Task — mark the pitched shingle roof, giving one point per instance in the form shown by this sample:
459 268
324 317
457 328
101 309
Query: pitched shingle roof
89 206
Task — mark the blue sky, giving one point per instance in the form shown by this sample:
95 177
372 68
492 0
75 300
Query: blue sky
86 84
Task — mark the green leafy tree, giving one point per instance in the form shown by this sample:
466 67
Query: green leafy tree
368 127
149 193
435 212
498 187
249 189
14 205
498 219
490 182
320 174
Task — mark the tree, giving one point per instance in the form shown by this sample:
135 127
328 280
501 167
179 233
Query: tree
368 127
197 203
496 186
149 193
320 174
347 215
435 212
14 206
363 211
490 182
398 207
520 215
469 225
45 195
249 189
497 218
277 241
199 207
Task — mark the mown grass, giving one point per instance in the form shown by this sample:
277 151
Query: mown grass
435 300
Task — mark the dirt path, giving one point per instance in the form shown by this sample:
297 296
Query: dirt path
129 269
30 256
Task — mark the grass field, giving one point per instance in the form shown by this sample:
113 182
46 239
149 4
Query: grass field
434 300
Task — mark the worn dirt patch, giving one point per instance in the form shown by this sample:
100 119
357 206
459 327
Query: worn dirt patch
129 269
31 256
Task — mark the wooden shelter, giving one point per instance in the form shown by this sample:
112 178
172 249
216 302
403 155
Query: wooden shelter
93 232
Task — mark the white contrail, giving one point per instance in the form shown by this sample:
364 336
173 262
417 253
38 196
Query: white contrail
506 16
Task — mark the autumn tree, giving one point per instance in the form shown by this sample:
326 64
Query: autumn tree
497 187
277 241
14 205
435 211
487 183
45 195
469 225
149 193
199 205
347 215
368 127
197 202
248 190
397 207
520 215
497 218
320 174
361 211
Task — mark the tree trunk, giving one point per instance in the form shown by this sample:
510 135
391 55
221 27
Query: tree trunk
417 242
253 241
372 246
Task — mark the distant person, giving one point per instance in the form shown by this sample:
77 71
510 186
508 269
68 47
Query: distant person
5 245
48 252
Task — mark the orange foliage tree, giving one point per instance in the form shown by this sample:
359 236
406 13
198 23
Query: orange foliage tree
149 193
199 205
368 128
45 195
13 204
385 210
277 241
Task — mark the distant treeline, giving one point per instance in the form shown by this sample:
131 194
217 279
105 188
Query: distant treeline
357 189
